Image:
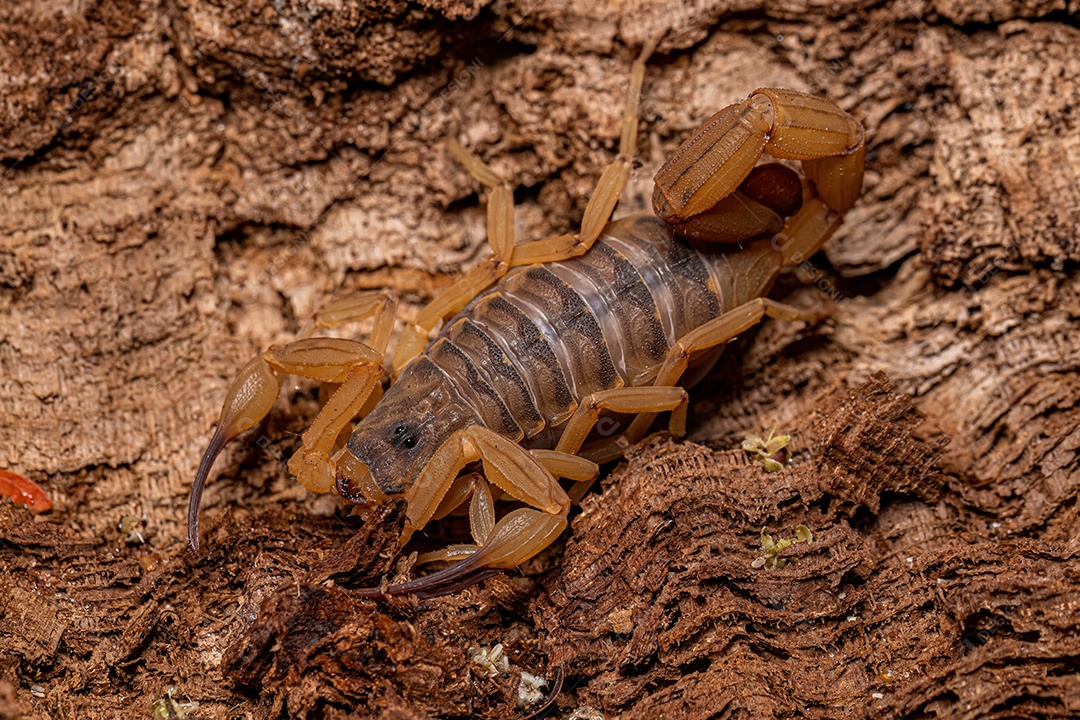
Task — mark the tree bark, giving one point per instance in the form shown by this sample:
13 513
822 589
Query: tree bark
184 183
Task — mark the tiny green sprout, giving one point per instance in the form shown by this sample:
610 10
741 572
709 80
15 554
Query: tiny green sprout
772 450
771 549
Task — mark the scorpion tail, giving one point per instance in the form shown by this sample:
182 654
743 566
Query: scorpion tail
836 183
806 231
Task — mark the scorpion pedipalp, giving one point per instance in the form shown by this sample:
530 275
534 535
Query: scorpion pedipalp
250 397
358 367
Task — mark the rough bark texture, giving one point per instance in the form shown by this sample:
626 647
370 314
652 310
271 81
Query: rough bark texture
183 183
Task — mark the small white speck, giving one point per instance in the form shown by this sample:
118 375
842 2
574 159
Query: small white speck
37 691
492 660
877 696
530 690
779 38
852 618
842 595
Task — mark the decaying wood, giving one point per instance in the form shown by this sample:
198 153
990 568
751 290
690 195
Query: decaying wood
183 183
661 611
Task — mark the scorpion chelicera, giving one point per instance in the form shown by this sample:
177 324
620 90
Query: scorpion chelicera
545 339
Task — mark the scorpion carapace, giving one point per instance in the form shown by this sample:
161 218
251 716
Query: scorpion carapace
552 346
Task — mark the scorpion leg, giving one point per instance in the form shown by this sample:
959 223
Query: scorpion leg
500 230
620 400
716 332
501 226
353 364
379 305
481 517
652 399
608 188
359 370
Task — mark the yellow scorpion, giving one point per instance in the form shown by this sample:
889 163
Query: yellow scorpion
543 340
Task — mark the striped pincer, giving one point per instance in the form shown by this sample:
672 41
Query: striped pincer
551 344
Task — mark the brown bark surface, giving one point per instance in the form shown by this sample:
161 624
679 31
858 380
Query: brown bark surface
183 183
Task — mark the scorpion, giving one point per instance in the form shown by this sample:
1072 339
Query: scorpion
499 382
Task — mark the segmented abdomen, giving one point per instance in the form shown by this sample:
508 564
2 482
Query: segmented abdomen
544 337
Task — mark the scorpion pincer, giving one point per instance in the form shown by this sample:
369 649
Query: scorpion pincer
545 338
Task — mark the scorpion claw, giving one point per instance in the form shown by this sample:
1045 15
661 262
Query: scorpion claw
217 443
515 538
250 398
436 584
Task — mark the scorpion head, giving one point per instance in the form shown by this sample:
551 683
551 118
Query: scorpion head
392 444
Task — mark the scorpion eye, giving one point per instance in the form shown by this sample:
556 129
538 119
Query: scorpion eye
404 437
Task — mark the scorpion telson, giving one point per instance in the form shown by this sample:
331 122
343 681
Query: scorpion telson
546 339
